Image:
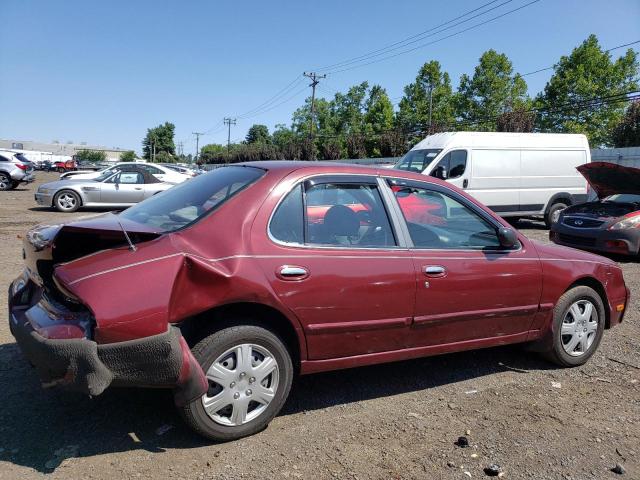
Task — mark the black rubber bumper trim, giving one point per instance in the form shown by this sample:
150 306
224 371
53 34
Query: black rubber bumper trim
85 366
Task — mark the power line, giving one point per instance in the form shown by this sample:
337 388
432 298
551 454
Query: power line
382 49
268 103
416 38
271 107
553 66
472 27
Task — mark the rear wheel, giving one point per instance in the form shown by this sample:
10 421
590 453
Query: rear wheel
5 182
249 371
553 214
67 201
578 326
61 170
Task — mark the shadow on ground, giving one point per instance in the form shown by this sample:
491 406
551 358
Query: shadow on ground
40 428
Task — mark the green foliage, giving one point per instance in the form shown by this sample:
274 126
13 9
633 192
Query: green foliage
160 137
128 156
165 157
212 153
91 156
258 134
627 132
492 90
413 113
518 120
588 73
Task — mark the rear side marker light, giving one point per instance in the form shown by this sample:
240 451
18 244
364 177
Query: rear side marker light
620 307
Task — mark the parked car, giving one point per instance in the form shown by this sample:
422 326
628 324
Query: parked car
162 173
181 169
119 189
45 166
610 223
63 166
515 174
14 170
224 287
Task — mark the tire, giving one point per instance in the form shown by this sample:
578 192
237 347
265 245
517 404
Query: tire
563 332
61 170
5 182
67 201
14 185
237 389
552 214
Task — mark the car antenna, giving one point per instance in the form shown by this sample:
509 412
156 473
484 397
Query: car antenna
132 247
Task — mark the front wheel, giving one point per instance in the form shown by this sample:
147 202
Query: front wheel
67 201
578 326
5 182
250 372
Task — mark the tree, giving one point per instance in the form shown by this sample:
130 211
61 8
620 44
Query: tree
95 156
258 134
491 91
518 120
213 153
165 157
287 142
432 87
627 132
160 137
588 73
128 156
378 118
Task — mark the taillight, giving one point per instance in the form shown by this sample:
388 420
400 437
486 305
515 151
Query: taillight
21 166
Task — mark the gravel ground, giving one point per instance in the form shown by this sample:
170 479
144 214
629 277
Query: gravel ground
386 422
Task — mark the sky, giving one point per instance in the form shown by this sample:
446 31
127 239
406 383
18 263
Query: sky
104 72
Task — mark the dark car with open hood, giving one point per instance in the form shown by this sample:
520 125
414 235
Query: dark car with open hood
223 288
610 223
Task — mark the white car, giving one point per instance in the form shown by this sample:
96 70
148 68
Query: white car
161 172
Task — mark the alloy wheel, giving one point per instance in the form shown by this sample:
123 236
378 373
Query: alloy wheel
67 201
579 328
242 383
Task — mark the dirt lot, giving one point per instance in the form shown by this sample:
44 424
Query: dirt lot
393 421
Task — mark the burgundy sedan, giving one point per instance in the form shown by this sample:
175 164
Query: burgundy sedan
225 287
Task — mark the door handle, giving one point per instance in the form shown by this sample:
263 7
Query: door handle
465 183
138 188
292 272
435 271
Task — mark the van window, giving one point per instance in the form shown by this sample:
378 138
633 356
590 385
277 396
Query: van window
417 160
452 165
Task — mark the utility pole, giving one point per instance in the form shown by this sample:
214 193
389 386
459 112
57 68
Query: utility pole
430 104
197 134
180 145
229 121
315 80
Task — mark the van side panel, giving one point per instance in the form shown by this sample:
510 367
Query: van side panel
546 173
496 179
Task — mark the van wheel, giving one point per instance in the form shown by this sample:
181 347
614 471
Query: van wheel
578 326
249 371
554 213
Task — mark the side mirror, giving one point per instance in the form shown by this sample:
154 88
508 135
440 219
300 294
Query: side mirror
507 237
439 172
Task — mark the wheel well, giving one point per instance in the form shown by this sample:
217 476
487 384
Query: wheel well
210 321
558 197
597 286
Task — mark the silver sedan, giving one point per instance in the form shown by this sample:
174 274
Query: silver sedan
121 189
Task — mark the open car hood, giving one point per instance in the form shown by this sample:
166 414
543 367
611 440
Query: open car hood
609 178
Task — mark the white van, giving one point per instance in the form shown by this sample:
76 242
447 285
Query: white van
514 174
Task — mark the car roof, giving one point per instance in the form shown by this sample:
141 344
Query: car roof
311 167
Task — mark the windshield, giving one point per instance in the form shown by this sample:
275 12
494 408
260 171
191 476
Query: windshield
623 198
191 200
106 174
417 160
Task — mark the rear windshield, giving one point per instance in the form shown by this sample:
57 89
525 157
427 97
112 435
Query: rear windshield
22 158
417 160
189 201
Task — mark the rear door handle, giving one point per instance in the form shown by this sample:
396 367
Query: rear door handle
435 271
138 188
465 183
292 272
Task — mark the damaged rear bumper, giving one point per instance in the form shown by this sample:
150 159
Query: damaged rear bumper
81 364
